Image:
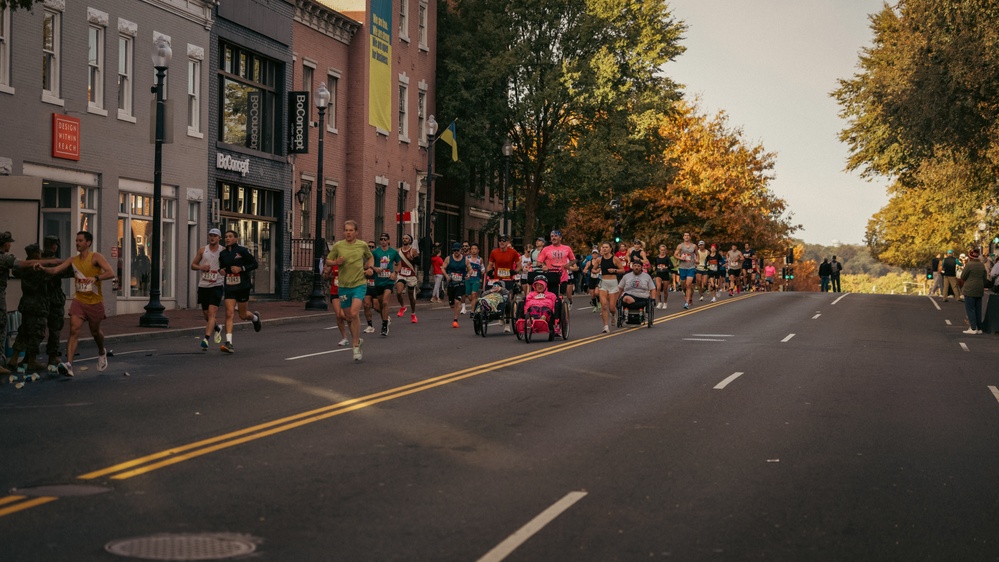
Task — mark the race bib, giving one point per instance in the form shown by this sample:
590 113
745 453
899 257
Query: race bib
457 278
713 267
686 257
233 279
474 273
84 286
371 282
503 272
209 276
406 272
385 273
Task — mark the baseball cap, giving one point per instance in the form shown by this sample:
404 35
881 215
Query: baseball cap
383 236
700 243
215 231
503 238
950 252
539 239
6 237
556 233
455 246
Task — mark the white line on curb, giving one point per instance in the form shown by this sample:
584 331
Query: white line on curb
503 549
727 380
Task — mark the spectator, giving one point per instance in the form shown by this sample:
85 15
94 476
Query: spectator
973 281
948 267
825 272
836 268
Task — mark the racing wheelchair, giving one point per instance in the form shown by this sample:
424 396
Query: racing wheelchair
489 308
529 325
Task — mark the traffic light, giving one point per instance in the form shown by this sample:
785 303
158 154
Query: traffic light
790 255
617 232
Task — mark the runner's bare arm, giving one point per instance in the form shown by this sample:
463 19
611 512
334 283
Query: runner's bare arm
195 265
106 271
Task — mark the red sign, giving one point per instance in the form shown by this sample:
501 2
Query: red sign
65 137
406 217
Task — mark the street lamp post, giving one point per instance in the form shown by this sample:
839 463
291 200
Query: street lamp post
507 152
154 317
427 287
317 300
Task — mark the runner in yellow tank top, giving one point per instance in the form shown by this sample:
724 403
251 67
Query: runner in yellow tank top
89 269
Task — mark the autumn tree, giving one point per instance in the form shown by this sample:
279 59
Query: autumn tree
19 4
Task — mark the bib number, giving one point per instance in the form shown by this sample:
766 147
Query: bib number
385 273
457 278
503 272
233 279
209 276
406 272
84 287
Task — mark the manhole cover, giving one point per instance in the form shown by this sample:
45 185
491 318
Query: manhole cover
60 490
202 546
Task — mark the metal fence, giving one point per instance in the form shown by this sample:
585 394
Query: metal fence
302 253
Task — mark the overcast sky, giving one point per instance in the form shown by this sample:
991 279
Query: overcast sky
771 64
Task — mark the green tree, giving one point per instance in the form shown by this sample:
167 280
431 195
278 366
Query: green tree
19 4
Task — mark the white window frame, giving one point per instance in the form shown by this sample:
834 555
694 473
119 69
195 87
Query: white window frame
195 57
424 23
421 113
51 57
95 69
404 20
333 85
5 52
403 108
309 83
126 71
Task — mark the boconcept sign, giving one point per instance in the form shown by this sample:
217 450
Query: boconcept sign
298 119
226 162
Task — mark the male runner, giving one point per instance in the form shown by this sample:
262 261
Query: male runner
557 257
702 269
89 269
686 254
236 263
734 265
406 282
210 288
749 268
386 269
354 259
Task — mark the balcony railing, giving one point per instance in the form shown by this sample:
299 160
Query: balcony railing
303 252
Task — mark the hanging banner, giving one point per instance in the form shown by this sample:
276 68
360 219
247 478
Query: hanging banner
380 82
298 122
253 119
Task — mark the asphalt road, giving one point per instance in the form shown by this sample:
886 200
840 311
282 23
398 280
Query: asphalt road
786 426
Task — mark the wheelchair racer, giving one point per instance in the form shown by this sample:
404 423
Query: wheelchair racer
638 288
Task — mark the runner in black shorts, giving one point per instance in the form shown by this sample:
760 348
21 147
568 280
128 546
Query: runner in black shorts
663 275
236 263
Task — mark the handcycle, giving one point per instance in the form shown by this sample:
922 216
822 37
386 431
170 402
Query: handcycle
488 309
632 315
527 325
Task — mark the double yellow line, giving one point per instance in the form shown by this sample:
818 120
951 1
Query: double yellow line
168 457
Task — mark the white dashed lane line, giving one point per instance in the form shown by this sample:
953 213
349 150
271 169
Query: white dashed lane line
816 317
964 346
995 392
787 339
932 300
505 548
727 380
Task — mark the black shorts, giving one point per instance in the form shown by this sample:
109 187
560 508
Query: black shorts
455 292
640 302
372 291
210 296
378 291
237 294
592 282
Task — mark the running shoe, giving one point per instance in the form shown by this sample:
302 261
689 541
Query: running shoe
702 297
979 332
463 309
227 347
102 362
385 328
970 331
357 350
506 329
66 369
370 329
218 333
713 299
686 306
454 324
256 321
204 344
606 329
412 319
343 342
402 311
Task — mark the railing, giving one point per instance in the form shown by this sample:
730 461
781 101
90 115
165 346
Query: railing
303 253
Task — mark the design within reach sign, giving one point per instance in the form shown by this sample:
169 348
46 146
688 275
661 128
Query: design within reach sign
298 118
65 137
226 162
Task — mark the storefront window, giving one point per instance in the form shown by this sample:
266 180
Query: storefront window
250 106
135 242
252 213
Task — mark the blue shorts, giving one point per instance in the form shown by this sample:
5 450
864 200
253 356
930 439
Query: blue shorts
472 285
348 294
688 274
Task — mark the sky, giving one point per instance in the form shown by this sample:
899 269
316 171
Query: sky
770 65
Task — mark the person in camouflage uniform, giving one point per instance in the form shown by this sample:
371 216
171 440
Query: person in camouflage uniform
7 263
34 309
57 302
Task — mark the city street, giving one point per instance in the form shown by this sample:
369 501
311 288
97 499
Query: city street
777 426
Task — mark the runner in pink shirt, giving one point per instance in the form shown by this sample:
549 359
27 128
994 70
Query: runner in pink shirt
556 257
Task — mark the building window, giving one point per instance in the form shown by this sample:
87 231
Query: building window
95 67
125 44
193 96
331 229
379 210
5 50
403 110
423 25
248 83
303 211
51 30
88 209
135 242
332 83
404 20
421 116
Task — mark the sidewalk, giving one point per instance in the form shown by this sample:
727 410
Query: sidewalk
125 327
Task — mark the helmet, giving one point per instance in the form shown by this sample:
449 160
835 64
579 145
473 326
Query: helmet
541 280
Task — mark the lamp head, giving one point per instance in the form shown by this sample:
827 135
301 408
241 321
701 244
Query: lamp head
507 148
431 126
322 96
162 53
301 195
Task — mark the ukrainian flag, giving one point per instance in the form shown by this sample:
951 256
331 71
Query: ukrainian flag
450 136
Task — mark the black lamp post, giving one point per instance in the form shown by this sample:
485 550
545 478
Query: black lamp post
507 152
317 300
427 287
154 317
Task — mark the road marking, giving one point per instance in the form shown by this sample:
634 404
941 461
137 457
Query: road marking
503 549
841 298
713 335
19 505
785 340
727 380
117 354
816 317
162 459
701 339
948 322
317 354
995 392
964 346
932 300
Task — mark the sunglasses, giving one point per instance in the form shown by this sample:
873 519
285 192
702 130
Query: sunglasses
372 246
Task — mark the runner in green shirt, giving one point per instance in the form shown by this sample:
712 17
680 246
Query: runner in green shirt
354 260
